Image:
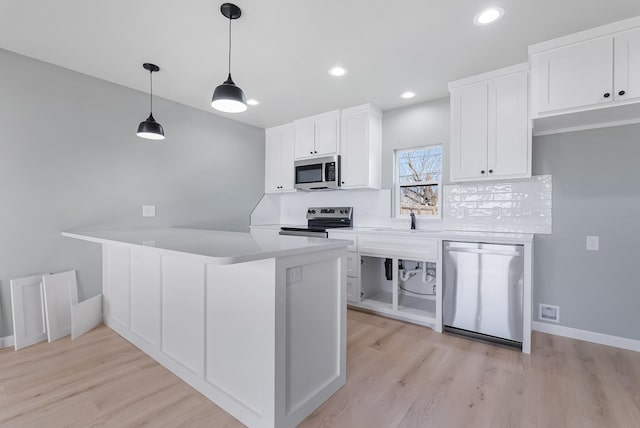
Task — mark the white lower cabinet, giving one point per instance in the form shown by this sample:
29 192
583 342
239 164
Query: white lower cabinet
395 276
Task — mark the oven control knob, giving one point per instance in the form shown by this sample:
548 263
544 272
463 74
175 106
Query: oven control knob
313 211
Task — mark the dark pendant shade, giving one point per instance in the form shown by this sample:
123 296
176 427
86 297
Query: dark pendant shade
150 129
229 98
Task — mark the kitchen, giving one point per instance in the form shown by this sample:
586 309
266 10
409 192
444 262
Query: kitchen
80 166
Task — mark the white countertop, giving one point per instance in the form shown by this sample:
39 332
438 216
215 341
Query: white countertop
217 247
445 235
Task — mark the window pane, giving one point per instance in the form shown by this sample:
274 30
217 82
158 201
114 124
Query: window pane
420 165
422 200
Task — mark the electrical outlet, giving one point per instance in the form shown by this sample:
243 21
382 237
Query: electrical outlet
148 211
548 312
593 243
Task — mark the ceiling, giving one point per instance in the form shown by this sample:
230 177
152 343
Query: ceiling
282 49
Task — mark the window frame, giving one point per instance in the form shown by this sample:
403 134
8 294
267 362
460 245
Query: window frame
397 185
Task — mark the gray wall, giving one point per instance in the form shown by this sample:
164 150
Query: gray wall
595 192
416 125
69 158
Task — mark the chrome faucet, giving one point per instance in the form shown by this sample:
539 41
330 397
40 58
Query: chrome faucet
413 220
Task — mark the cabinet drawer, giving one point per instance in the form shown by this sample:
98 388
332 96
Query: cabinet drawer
420 249
353 265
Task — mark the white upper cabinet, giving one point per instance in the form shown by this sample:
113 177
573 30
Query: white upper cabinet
627 65
279 172
469 122
305 139
574 76
317 136
360 147
587 80
509 138
490 131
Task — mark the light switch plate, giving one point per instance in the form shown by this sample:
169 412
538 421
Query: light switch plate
593 243
148 211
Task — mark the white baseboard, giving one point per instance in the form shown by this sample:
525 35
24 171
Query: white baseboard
6 341
588 336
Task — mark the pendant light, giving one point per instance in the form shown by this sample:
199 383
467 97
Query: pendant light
228 97
150 129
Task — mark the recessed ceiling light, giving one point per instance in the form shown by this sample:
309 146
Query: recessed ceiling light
337 71
488 16
407 95
253 102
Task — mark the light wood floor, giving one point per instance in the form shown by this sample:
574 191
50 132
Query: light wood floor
399 375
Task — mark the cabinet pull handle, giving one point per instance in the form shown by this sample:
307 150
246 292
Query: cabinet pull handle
482 172
621 93
607 94
490 171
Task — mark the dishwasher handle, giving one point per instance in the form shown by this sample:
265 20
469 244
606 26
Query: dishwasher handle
513 253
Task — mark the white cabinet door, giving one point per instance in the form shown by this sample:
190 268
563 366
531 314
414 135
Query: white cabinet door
304 139
279 158
287 172
27 308
354 147
273 143
508 145
627 65
326 135
574 76
469 115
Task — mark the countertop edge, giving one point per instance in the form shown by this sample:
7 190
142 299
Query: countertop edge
445 235
331 244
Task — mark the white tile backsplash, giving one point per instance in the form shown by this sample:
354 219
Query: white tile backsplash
518 206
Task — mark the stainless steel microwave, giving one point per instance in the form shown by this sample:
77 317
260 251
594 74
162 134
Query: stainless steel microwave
318 173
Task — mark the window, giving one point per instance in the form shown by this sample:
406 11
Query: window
417 182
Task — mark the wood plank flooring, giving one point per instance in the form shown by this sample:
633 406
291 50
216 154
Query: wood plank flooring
398 375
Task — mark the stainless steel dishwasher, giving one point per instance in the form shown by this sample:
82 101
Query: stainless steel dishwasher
483 290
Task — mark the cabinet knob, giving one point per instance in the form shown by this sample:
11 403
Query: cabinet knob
315 151
482 172
621 93
607 95
343 182
310 153
490 171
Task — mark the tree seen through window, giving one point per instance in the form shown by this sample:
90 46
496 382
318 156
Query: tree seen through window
419 173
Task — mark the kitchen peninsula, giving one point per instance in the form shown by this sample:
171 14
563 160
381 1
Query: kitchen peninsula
254 321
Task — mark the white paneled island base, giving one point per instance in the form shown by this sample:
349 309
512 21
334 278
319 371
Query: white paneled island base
258 328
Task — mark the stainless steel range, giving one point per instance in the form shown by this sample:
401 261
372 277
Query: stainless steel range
319 219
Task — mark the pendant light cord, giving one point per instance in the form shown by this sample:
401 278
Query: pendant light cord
151 94
229 46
